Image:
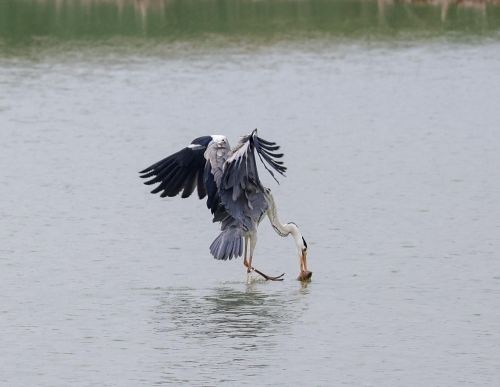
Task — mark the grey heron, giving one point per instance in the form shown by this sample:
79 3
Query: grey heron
235 194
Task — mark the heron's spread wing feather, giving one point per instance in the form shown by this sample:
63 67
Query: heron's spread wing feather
182 171
265 151
240 190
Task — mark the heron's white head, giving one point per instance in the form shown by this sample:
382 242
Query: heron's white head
219 138
300 242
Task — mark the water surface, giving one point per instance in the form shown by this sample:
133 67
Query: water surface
392 145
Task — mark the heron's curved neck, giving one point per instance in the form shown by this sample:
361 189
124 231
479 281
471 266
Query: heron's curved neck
280 228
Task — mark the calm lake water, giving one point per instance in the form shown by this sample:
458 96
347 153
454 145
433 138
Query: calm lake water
388 115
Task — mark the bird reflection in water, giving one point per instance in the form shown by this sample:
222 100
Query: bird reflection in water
224 312
210 335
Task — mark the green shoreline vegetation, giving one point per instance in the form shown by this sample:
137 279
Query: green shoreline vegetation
74 19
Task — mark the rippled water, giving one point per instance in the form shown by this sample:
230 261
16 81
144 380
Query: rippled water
393 153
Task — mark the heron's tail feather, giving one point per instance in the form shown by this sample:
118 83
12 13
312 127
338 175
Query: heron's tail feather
228 245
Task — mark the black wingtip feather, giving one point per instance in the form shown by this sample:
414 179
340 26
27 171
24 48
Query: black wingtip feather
266 155
179 172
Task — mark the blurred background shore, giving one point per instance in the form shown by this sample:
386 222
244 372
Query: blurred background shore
35 22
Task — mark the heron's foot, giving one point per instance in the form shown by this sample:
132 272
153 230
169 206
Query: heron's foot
267 277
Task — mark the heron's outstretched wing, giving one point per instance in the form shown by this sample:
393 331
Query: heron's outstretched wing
182 171
240 190
229 179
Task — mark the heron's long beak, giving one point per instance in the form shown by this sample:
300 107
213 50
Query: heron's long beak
303 261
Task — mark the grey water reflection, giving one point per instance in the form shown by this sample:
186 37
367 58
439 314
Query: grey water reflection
226 324
223 312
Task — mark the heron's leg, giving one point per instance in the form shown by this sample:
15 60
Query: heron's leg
245 262
253 243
